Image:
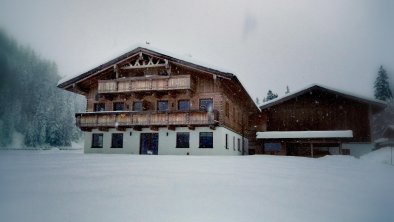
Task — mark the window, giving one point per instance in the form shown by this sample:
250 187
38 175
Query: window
206 140
182 140
233 142
99 107
239 144
137 106
272 147
226 141
118 106
117 140
206 104
162 105
345 151
184 105
97 140
227 109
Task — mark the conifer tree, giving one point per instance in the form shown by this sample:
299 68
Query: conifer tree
270 96
382 87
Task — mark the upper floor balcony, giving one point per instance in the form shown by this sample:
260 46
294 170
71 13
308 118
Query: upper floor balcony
127 119
146 84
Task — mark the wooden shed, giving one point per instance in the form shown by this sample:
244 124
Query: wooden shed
316 121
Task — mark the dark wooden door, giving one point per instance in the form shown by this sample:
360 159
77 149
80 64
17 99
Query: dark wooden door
149 143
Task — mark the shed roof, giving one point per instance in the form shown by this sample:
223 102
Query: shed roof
374 102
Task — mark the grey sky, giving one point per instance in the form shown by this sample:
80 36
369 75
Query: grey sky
268 44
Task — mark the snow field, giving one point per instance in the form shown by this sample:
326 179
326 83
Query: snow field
71 186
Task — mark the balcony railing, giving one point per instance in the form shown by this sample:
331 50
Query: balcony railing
147 118
141 84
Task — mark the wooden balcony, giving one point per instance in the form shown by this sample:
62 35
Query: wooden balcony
129 119
146 84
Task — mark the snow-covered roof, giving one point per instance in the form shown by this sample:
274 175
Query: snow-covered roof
185 60
319 86
304 134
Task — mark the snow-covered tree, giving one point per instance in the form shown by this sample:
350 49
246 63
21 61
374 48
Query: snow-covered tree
32 104
270 96
382 87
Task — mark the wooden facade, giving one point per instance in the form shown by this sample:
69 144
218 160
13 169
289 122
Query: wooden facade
153 81
319 109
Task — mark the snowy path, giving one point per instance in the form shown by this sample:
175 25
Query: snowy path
68 186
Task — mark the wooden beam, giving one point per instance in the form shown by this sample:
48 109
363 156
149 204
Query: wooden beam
116 70
104 129
171 127
154 128
86 129
137 66
121 128
137 128
311 149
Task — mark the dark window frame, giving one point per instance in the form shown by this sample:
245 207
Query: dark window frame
158 105
114 143
140 107
239 144
202 104
206 140
180 107
117 105
96 141
99 107
182 142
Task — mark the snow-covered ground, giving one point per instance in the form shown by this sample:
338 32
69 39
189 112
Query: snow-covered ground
70 186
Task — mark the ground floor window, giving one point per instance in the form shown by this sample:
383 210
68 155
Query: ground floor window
239 144
272 147
345 151
206 140
117 140
97 140
182 140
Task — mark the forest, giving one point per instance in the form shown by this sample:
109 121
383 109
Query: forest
34 112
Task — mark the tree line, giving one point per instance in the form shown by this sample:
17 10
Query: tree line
31 104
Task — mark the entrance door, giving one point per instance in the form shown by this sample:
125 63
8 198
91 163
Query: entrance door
149 143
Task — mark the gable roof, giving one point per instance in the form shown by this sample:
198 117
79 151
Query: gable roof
70 80
63 83
374 102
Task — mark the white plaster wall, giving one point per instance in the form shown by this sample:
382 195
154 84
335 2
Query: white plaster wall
167 142
358 149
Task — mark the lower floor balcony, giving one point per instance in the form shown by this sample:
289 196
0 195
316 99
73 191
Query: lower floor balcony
154 119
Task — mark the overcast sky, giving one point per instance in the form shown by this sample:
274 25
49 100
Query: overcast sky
268 44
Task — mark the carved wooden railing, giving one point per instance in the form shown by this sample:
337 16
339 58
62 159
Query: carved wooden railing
140 84
147 118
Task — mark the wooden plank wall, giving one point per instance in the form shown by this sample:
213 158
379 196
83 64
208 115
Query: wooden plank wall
206 87
321 111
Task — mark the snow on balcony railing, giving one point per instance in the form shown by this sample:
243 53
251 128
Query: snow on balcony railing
152 83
